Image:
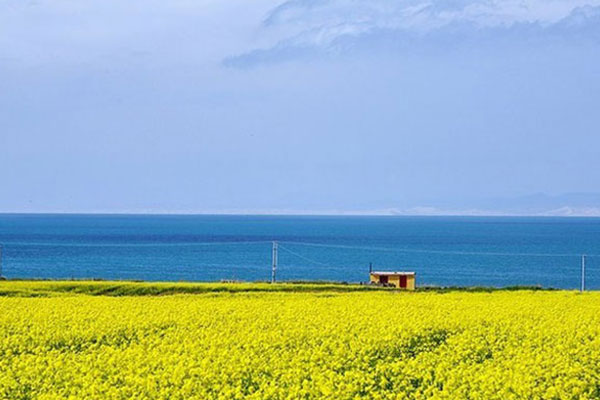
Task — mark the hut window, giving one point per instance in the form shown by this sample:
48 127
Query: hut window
383 279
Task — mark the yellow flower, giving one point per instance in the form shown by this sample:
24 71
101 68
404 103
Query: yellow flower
301 345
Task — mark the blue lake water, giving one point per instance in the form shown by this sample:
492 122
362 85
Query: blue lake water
496 251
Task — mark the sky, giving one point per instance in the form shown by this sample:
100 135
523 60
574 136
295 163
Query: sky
300 106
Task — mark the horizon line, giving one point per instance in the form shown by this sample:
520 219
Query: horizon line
299 214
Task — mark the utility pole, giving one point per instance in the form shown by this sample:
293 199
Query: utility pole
583 273
0 261
274 258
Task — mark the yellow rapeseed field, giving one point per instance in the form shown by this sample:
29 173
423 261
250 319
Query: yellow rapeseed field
310 344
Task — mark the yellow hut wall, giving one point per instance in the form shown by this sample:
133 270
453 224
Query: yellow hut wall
395 280
410 281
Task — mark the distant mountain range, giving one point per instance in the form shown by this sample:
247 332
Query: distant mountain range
539 204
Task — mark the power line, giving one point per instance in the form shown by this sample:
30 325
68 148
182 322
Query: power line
183 244
339 246
305 258
424 251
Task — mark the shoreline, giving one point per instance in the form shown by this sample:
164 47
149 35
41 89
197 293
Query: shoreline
96 287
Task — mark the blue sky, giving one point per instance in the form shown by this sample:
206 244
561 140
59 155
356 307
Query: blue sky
298 106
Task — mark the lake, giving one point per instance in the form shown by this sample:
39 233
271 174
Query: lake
494 251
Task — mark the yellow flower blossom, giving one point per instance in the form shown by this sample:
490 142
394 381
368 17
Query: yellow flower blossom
304 345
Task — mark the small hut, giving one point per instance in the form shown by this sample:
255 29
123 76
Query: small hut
401 280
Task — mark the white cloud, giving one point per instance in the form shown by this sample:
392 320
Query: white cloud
298 26
419 15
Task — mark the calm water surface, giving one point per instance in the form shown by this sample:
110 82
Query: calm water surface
496 251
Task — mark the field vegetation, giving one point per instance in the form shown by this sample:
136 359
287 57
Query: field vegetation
116 340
